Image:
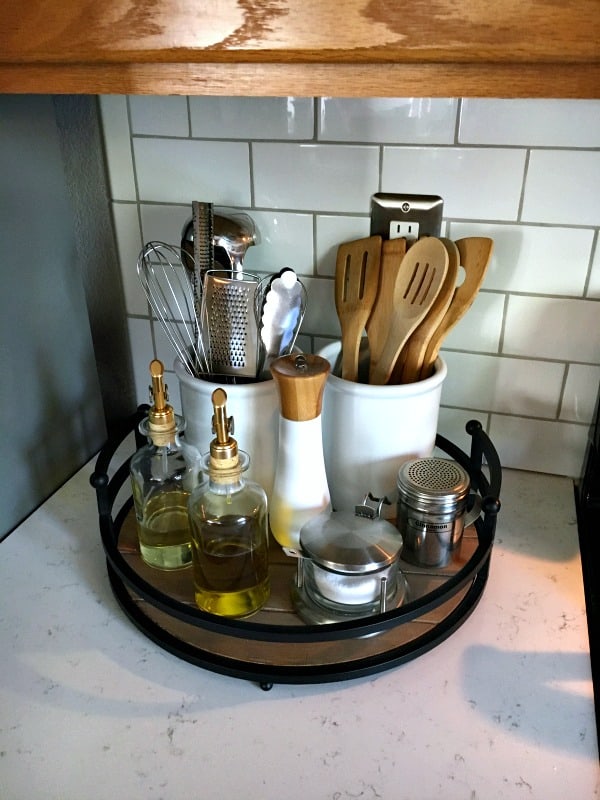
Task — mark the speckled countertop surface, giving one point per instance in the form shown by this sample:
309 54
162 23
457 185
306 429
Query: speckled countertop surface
90 708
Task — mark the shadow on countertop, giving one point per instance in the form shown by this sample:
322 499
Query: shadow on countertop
532 694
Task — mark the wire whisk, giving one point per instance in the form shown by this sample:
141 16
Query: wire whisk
176 305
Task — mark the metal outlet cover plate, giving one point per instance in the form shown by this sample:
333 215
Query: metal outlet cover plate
409 215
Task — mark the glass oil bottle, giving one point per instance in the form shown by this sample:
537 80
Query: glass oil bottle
162 482
228 517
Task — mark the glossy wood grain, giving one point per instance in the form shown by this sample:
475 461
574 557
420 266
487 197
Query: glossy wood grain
302 47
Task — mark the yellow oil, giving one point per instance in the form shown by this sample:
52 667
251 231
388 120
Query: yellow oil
164 531
231 569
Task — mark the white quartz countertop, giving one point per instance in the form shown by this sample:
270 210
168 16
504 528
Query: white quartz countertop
90 708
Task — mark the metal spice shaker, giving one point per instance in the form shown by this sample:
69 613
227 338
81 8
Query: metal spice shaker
431 510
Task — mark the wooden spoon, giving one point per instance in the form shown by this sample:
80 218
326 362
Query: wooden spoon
378 324
418 283
475 254
408 366
356 281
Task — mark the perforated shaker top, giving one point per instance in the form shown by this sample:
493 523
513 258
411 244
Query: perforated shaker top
433 480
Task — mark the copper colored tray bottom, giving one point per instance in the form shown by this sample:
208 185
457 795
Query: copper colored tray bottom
279 610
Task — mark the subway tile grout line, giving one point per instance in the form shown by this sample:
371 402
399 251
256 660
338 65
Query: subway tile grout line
315 248
535 417
487 221
189 116
563 389
457 122
523 186
139 217
251 173
594 248
539 295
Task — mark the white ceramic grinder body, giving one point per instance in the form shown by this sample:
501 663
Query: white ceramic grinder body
300 489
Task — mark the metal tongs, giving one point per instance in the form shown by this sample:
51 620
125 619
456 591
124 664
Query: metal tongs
280 304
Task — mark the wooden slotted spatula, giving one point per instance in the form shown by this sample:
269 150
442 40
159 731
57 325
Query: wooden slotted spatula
408 366
378 324
356 281
475 254
419 280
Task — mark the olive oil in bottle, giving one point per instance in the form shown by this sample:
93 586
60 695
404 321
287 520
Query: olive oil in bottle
162 482
164 530
228 517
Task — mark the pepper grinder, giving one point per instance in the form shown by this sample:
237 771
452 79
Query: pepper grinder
300 489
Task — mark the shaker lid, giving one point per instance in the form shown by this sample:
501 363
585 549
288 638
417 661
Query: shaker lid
344 542
437 480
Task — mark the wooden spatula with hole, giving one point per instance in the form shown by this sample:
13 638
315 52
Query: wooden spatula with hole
356 281
419 280
475 254
408 367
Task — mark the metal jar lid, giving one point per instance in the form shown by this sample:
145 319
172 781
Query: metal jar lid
433 484
343 542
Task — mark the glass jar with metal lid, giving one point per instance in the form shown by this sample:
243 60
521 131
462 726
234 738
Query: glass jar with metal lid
348 565
432 510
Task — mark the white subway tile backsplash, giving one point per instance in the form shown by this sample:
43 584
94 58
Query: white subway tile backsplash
252 117
321 317
477 183
129 243
562 187
164 349
159 116
164 223
539 445
505 385
554 328
525 359
404 120
285 240
581 392
182 170
142 353
530 122
313 177
533 259
333 231
481 327
451 424
117 145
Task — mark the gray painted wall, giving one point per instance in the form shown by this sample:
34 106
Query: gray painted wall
51 413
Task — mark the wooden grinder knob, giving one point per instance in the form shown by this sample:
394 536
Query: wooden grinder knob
300 380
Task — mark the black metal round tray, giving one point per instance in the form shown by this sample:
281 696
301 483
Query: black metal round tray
275 645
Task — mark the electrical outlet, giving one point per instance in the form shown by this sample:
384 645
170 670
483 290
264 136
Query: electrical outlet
410 216
403 230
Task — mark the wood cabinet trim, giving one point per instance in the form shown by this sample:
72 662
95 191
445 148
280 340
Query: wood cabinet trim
316 80
302 47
